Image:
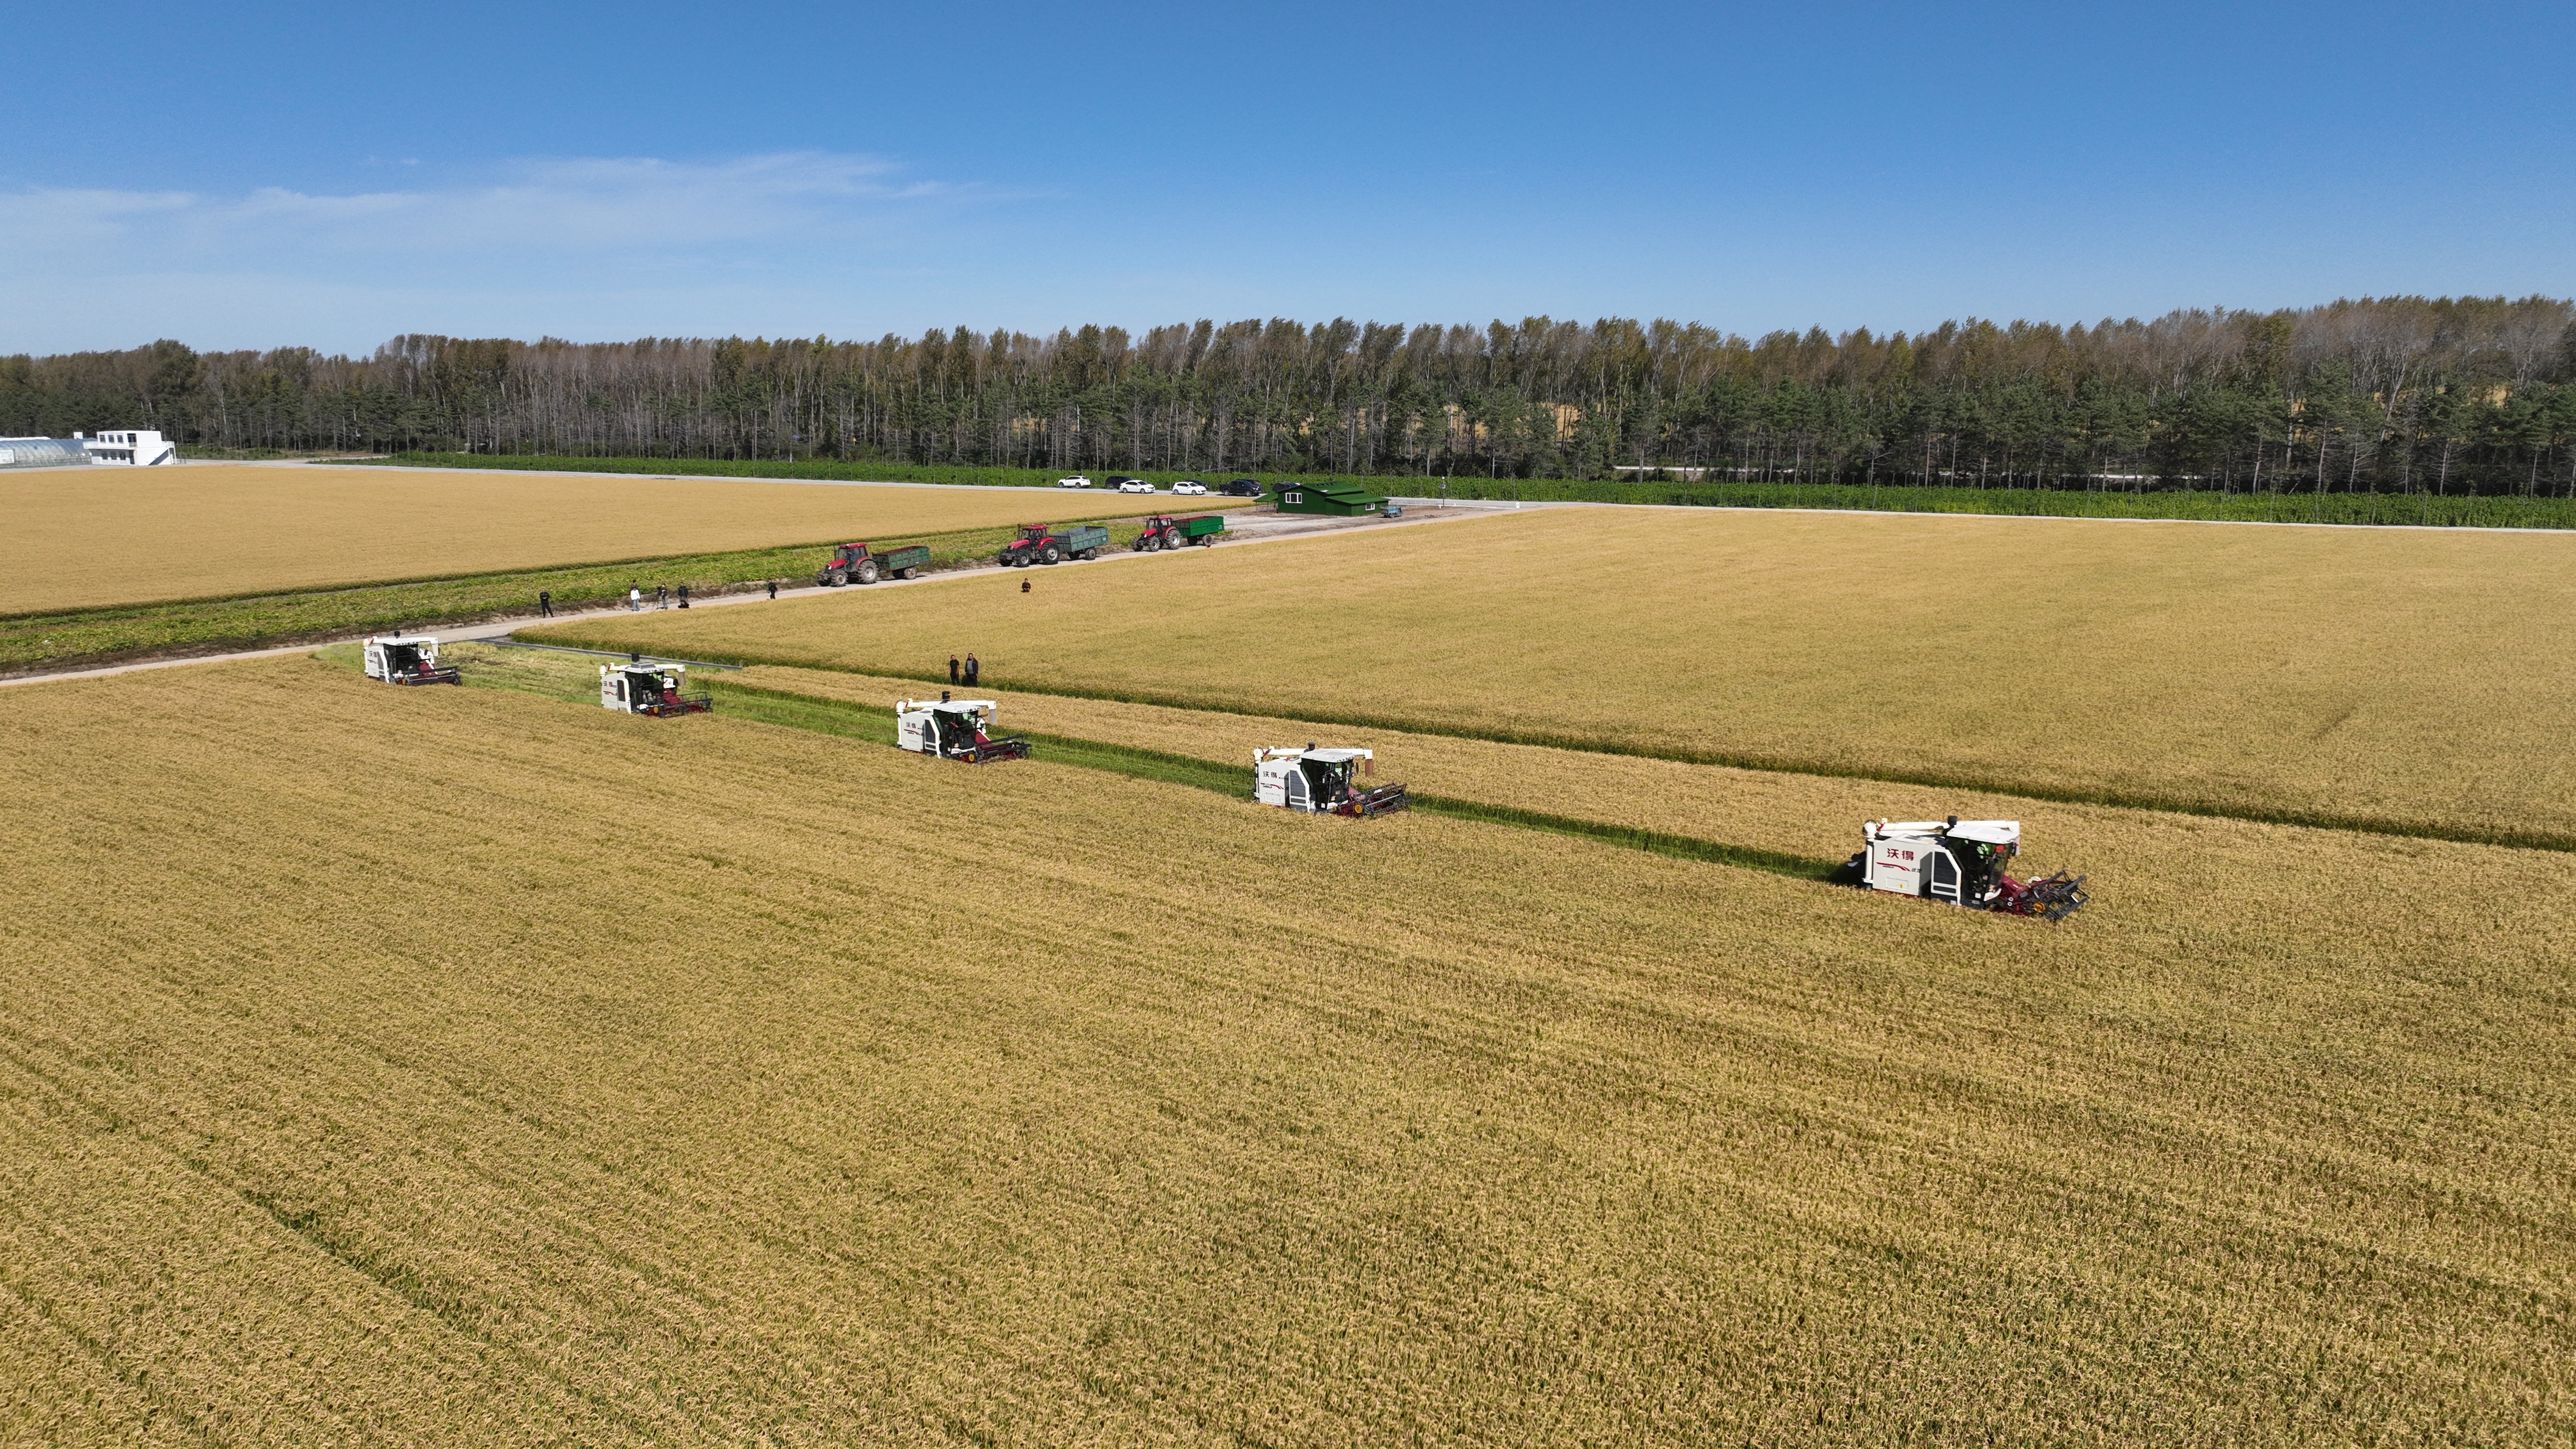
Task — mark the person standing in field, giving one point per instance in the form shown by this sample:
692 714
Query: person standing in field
973 670
634 599
545 603
952 669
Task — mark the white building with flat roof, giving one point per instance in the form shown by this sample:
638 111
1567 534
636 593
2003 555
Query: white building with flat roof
130 449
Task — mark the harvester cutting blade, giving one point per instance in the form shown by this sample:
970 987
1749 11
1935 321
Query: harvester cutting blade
1378 801
2052 898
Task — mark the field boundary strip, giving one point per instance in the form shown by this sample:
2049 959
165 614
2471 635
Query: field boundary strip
529 571
2561 842
43 643
2331 509
795 710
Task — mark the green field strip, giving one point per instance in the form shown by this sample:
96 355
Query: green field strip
2561 841
2180 505
876 723
79 638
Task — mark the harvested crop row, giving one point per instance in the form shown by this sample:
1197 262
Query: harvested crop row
74 539
704 1081
2415 679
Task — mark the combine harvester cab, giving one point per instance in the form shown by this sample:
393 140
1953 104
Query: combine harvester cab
407 659
953 729
852 562
641 687
1319 780
1961 862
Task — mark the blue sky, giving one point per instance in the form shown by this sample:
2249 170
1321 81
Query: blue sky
260 174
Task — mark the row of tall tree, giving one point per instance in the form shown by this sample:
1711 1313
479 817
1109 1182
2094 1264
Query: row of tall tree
2472 394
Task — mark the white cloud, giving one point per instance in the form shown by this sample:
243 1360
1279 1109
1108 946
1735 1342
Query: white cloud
514 248
527 206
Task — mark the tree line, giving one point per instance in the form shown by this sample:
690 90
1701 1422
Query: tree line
2401 394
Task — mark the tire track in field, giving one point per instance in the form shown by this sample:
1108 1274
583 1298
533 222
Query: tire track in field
305 1227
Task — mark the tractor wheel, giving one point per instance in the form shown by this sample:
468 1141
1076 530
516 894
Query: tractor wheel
839 577
868 571
906 574
1052 555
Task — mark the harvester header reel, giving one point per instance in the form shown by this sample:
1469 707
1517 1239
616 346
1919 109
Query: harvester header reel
407 659
1961 862
1321 780
642 686
954 729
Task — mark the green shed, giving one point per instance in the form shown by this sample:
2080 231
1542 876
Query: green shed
1344 499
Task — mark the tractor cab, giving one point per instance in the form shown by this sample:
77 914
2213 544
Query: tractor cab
954 729
407 659
1321 780
639 686
847 558
1024 546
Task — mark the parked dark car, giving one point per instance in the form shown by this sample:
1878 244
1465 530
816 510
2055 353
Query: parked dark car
1241 488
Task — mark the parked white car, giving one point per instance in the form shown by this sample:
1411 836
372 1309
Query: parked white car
1076 481
1190 486
1135 485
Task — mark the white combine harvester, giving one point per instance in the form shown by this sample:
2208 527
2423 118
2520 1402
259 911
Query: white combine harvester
407 659
642 686
953 729
1320 780
1958 861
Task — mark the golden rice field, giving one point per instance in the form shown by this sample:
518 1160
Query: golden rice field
75 538
2420 679
462 1066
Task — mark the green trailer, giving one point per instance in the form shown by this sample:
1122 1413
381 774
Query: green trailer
1163 531
1040 543
854 561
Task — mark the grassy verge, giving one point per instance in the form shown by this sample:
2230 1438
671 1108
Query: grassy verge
815 469
71 639
2522 839
876 723
2200 505
2415 509
571 678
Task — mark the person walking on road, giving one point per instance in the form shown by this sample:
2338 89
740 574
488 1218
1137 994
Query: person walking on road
661 596
973 669
684 596
773 588
634 599
545 603
952 669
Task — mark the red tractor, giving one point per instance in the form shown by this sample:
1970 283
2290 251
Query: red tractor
1039 543
1163 531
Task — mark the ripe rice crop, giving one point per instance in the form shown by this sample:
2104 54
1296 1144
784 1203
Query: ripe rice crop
1766 810
2417 680
458 1066
74 539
